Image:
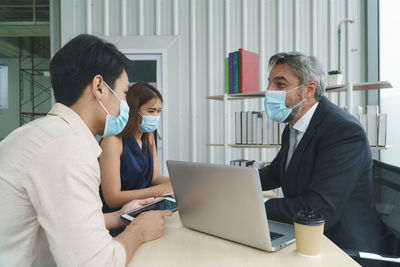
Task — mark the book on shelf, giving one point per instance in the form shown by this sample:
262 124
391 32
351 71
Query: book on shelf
255 128
264 127
227 75
259 129
236 72
372 127
254 119
244 127
374 124
382 129
230 63
238 127
357 112
248 71
270 130
242 72
242 162
249 127
363 121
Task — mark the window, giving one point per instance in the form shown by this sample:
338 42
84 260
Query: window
3 86
143 71
389 71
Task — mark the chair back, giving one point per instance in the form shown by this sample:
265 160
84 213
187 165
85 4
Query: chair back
386 181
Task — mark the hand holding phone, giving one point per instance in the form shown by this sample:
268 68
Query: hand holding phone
135 204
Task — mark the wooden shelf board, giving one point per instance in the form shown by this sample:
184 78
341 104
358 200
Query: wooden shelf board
214 144
238 96
361 86
329 89
278 146
380 147
246 146
254 146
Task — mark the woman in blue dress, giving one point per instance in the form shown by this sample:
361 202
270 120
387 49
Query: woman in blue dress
128 162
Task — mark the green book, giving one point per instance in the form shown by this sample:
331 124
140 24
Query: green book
236 72
227 75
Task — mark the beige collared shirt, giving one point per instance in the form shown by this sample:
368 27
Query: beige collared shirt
50 209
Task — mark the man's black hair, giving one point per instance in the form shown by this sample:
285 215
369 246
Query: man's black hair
74 66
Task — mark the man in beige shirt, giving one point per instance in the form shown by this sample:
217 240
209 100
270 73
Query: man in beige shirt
49 174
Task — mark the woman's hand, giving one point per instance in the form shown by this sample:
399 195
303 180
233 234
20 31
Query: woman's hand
165 189
133 204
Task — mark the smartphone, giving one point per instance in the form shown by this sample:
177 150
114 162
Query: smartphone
160 204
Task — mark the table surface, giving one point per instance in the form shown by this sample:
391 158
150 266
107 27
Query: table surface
180 246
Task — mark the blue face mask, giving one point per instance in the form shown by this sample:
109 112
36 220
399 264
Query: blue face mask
275 106
149 123
115 125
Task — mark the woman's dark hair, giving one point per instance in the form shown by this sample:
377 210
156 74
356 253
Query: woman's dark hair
138 94
74 66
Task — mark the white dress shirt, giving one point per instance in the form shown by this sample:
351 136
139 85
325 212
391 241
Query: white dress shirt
302 124
49 196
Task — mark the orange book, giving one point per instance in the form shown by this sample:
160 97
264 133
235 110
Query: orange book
248 71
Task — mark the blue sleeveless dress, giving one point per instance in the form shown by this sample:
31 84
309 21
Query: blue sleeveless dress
136 169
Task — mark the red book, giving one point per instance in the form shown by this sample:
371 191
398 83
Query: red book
248 71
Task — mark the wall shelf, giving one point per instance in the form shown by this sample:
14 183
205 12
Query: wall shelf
360 86
380 147
246 146
329 89
278 146
349 87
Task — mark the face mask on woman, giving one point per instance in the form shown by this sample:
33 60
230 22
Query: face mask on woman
149 123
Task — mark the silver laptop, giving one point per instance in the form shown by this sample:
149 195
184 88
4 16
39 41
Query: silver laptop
227 202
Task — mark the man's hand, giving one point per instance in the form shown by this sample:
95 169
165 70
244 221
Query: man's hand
148 225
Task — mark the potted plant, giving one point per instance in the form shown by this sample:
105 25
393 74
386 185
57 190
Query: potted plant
335 77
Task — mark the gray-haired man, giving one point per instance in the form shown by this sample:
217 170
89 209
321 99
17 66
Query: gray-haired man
325 160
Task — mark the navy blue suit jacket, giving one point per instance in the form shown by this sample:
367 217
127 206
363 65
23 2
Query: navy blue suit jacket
330 171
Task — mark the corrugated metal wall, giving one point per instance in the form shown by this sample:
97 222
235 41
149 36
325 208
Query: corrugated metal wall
209 29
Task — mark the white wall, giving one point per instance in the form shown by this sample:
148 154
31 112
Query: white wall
209 29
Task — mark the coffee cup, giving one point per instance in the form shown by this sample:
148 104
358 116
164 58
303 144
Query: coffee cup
309 230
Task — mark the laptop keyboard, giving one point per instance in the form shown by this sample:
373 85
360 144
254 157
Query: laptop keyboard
275 235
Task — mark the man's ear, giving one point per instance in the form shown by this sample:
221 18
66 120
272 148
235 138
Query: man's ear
310 88
97 85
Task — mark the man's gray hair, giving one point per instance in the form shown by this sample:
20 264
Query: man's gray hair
306 68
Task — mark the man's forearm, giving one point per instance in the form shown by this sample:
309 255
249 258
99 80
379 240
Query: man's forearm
113 220
130 239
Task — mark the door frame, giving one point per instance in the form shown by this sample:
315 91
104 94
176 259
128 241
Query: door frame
168 46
